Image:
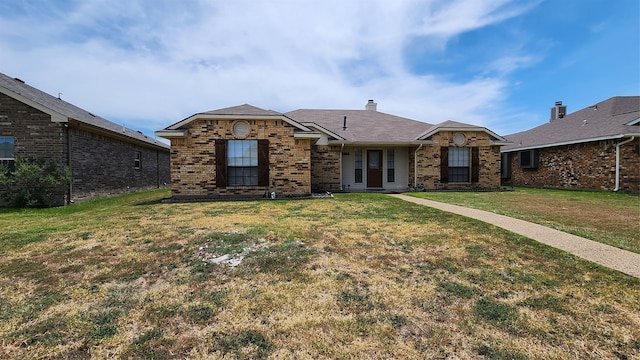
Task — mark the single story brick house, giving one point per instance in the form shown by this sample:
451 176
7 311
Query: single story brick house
104 158
248 151
596 148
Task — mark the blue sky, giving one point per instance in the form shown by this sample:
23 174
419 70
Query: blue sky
496 63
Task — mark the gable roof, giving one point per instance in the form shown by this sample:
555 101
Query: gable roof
373 127
62 111
244 111
451 125
366 126
613 118
362 126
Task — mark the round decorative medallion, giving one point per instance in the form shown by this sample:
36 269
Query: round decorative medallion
241 129
459 139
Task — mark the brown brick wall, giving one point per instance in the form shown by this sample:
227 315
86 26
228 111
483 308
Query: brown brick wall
104 166
587 166
325 168
100 165
34 135
193 159
428 162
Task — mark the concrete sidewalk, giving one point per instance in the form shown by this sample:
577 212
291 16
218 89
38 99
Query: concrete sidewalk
622 260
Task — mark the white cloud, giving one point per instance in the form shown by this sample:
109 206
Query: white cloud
161 61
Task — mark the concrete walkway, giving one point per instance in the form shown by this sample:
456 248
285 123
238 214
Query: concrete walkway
622 260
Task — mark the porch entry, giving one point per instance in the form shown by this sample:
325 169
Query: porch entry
374 168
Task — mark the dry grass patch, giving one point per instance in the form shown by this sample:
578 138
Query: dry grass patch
358 276
610 218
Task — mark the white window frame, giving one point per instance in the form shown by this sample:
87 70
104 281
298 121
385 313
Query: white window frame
4 158
459 164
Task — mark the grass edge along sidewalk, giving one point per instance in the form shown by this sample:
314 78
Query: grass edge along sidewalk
624 261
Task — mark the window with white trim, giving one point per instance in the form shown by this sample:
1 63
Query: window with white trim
459 164
358 166
242 162
7 156
391 166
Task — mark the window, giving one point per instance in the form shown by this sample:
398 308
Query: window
136 160
358 165
7 157
459 164
528 159
391 167
242 163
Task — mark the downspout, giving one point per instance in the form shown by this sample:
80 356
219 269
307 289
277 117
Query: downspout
618 162
415 167
341 150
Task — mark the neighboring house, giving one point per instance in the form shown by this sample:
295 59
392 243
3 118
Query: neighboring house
595 148
248 151
104 158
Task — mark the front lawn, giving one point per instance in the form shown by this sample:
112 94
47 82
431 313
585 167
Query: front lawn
606 217
357 276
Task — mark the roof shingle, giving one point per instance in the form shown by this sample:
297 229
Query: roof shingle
607 119
362 125
73 112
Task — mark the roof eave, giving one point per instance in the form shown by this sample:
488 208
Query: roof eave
307 135
381 143
170 134
116 135
205 116
460 129
501 143
633 122
321 129
572 142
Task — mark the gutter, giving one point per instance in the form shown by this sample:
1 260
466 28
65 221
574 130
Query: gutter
563 143
617 188
381 143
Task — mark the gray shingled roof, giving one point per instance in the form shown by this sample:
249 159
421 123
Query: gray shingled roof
70 111
608 119
362 125
244 109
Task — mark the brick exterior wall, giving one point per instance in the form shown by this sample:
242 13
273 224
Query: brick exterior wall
325 168
428 158
587 166
193 160
100 165
103 166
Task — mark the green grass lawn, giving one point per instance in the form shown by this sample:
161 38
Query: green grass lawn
357 276
606 217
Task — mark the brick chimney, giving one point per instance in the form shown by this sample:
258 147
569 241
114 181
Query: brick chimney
558 111
371 106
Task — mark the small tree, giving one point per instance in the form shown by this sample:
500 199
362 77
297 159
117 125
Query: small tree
33 183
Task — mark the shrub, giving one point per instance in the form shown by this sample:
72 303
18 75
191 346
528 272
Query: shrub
33 183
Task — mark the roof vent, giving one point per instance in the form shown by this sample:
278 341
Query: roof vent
558 111
372 106
18 80
344 123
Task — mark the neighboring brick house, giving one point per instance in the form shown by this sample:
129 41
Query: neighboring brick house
596 148
248 151
104 158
